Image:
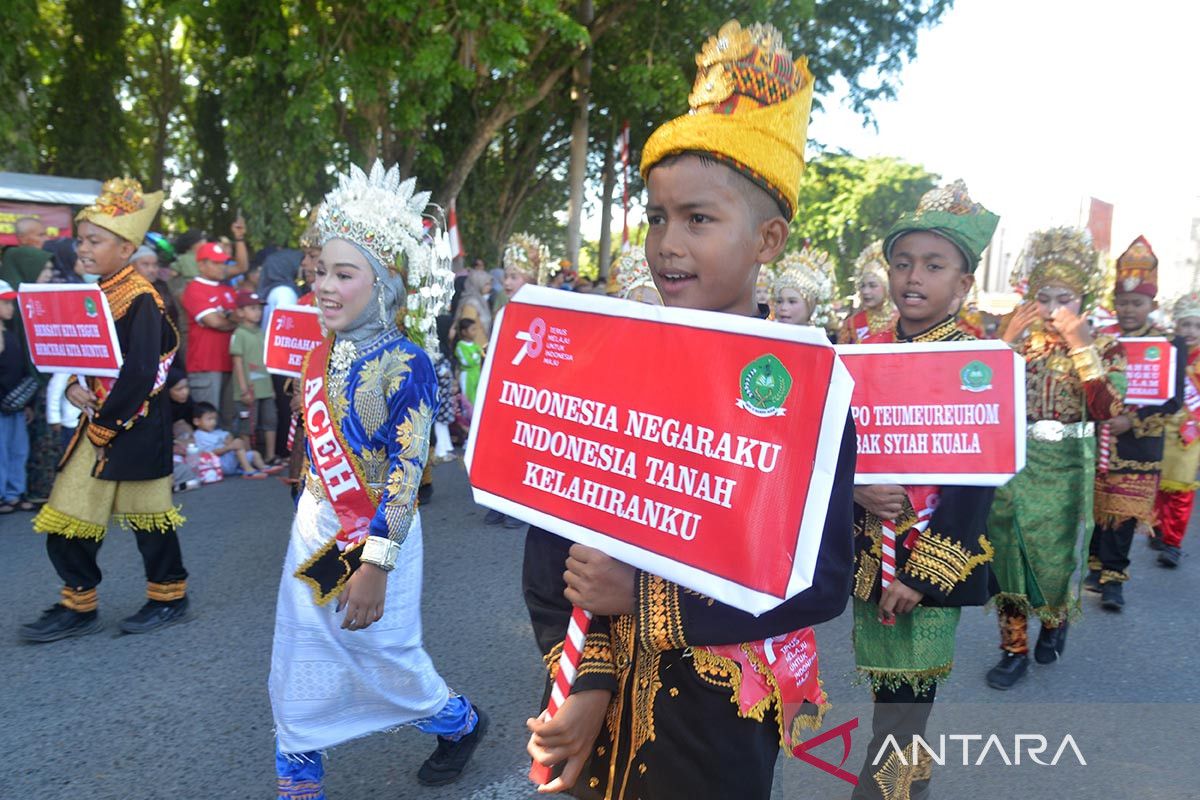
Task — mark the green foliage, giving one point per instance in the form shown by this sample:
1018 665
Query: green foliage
846 203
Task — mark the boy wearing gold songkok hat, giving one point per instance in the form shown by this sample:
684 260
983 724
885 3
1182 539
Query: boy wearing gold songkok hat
1072 381
1125 492
1181 452
118 466
656 711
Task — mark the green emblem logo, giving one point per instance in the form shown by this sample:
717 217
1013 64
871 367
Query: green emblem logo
976 377
765 385
1153 353
89 305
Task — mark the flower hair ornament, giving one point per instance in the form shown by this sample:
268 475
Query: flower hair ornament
409 250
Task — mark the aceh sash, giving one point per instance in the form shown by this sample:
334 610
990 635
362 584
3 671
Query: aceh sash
341 476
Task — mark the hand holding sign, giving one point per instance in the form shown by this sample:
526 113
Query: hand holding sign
598 583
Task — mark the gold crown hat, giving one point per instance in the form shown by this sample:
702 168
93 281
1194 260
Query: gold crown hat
809 272
409 250
1137 269
949 212
749 109
525 253
123 208
1060 257
633 272
871 262
1186 306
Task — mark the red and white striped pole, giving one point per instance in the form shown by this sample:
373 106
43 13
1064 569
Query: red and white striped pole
1105 448
568 667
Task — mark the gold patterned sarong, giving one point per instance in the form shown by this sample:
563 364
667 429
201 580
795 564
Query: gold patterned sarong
80 505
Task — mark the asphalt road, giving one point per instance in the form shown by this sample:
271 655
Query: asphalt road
183 713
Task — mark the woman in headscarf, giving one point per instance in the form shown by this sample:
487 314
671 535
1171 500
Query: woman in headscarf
475 305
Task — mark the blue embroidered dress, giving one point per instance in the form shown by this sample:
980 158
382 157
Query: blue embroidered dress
330 685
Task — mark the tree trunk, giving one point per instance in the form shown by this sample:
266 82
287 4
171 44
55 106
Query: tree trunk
577 168
608 184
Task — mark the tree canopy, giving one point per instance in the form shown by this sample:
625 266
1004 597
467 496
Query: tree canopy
256 104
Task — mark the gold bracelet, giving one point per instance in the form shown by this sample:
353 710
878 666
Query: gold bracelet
1087 362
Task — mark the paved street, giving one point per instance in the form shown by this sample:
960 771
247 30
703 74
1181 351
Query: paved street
184 713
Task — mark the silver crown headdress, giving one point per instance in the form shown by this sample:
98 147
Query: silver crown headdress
388 219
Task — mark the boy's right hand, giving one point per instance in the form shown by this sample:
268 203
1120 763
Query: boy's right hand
885 502
82 398
569 737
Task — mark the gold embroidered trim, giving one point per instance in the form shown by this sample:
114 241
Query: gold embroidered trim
166 592
1087 363
660 619
865 576
1148 426
100 435
596 659
51 520
123 287
81 601
161 522
301 572
1118 463
944 562
1112 576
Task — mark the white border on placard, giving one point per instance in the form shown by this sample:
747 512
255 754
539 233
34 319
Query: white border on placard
266 341
833 420
942 478
1171 371
80 288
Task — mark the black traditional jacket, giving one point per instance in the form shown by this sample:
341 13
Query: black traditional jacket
948 562
673 727
133 425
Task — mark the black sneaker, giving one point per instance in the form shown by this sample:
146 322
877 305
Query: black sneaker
1011 669
1112 596
449 760
154 615
1156 541
493 517
1050 644
512 523
1092 582
1169 557
60 622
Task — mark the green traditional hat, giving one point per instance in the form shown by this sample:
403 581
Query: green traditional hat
949 212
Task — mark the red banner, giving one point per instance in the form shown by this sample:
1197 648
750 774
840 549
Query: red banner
70 329
1099 224
57 219
697 446
1151 370
292 333
945 413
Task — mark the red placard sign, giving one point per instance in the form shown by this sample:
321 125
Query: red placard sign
291 333
697 446
946 413
70 329
1151 370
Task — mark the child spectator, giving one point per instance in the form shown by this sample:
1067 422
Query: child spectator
469 356
236 456
256 396
17 391
61 415
210 306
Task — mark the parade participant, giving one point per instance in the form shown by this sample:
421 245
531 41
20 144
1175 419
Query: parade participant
526 260
1181 454
1072 379
341 670
904 626
118 465
634 279
803 290
876 312
653 713
1125 492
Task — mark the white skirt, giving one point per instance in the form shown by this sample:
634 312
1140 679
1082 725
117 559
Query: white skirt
330 685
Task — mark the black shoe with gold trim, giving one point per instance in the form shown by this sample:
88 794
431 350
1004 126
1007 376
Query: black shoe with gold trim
156 614
60 622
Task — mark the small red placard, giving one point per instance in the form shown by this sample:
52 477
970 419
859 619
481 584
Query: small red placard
69 328
292 333
1151 370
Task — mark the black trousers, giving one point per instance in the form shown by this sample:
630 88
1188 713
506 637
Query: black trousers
902 714
74 559
1111 545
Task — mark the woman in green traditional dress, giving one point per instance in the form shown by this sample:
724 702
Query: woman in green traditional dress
1072 380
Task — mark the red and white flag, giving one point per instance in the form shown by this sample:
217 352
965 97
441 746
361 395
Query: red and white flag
455 242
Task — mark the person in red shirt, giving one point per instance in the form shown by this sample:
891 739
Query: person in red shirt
209 305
